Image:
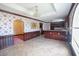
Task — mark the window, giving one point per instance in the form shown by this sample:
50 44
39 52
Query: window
75 31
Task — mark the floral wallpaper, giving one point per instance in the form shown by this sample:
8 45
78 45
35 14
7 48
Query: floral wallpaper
6 23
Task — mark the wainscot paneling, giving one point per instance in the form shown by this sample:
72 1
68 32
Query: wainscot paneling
31 35
8 40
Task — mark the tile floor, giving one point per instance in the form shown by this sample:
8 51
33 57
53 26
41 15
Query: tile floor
38 46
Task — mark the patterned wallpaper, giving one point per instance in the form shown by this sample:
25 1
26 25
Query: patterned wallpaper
6 23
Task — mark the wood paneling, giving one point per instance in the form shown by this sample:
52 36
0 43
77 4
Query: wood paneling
58 35
31 35
27 36
20 36
8 40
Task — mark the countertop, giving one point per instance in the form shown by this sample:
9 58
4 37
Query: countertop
55 30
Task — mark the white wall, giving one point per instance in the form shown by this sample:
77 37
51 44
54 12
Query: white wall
28 26
46 26
6 24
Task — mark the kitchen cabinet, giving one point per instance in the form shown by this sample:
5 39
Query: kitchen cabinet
58 35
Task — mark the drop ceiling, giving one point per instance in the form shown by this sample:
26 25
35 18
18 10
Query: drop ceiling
48 12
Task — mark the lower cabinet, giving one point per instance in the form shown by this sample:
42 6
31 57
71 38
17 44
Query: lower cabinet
58 35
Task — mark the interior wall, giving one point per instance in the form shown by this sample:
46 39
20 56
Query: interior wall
6 24
46 26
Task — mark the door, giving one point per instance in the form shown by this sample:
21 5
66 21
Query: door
18 27
41 27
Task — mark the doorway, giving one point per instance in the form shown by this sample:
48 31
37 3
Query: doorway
18 28
41 27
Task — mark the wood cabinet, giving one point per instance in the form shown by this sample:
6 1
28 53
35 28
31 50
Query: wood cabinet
58 35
